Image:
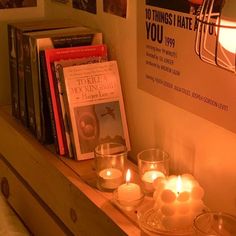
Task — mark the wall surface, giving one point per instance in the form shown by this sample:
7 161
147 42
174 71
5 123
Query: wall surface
195 145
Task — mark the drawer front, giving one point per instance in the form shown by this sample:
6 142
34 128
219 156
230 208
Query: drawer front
32 211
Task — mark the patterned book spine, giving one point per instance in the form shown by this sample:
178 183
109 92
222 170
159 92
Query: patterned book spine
13 71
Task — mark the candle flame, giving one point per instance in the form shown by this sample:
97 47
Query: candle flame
179 184
128 176
108 173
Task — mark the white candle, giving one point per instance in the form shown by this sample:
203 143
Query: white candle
128 192
148 179
151 175
110 178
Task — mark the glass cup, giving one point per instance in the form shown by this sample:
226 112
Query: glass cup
152 163
109 163
215 224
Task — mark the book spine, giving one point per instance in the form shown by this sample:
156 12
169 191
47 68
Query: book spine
60 114
13 70
58 127
58 77
67 117
21 78
46 120
47 105
35 64
29 52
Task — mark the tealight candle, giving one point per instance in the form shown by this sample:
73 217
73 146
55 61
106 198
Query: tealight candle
110 178
153 163
109 164
179 199
128 192
149 177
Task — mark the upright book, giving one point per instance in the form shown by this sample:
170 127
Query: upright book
58 58
95 106
34 43
15 32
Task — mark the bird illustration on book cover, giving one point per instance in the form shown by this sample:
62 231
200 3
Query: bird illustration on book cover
99 123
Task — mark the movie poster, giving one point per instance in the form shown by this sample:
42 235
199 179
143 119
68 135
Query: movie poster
85 5
169 68
115 7
6 4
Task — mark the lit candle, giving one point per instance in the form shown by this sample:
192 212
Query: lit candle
148 179
110 178
129 192
179 199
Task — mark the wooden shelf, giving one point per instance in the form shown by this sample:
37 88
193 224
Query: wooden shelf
55 194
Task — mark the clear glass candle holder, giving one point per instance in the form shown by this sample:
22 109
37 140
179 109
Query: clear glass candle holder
215 224
152 163
109 163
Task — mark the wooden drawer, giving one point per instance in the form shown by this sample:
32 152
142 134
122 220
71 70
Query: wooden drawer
26 203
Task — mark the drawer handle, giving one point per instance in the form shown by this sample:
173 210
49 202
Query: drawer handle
73 215
5 187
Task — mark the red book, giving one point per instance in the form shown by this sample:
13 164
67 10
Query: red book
57 54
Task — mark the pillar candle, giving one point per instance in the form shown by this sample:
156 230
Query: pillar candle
110 178
129 192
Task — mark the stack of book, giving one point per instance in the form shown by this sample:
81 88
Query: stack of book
64 89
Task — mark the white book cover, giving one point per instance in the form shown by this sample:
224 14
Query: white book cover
95 106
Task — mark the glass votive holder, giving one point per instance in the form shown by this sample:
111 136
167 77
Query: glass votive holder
109 163
215 224
152 163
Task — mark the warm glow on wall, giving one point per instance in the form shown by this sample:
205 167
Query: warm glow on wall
227 35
